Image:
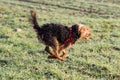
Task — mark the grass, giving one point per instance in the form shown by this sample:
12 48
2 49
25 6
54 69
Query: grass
23 58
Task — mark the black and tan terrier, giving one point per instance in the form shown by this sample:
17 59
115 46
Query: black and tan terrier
59 37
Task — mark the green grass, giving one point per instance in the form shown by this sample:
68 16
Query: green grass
22 57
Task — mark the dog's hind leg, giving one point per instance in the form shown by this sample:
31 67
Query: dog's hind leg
48 50
56 49
51 53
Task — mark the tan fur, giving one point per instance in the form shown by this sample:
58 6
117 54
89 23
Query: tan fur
50 35
85 31
85 34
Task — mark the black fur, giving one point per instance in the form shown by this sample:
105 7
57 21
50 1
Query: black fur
75 34
46 32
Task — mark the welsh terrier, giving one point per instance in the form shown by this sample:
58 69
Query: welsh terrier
59 37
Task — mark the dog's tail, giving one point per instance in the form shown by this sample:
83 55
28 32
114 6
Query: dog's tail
34 20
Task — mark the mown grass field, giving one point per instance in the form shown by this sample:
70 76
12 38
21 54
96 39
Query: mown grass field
23 58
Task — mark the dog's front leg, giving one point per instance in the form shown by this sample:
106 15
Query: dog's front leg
57 55
64 54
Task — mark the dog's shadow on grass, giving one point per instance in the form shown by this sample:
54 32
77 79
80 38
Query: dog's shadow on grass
116 48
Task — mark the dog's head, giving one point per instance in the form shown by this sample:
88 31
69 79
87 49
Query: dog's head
84 31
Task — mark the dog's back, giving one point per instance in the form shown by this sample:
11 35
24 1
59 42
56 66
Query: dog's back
55 30
46 32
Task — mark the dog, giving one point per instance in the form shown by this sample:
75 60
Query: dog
59 37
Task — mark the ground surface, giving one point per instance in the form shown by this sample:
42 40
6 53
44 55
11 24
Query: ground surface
23 58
